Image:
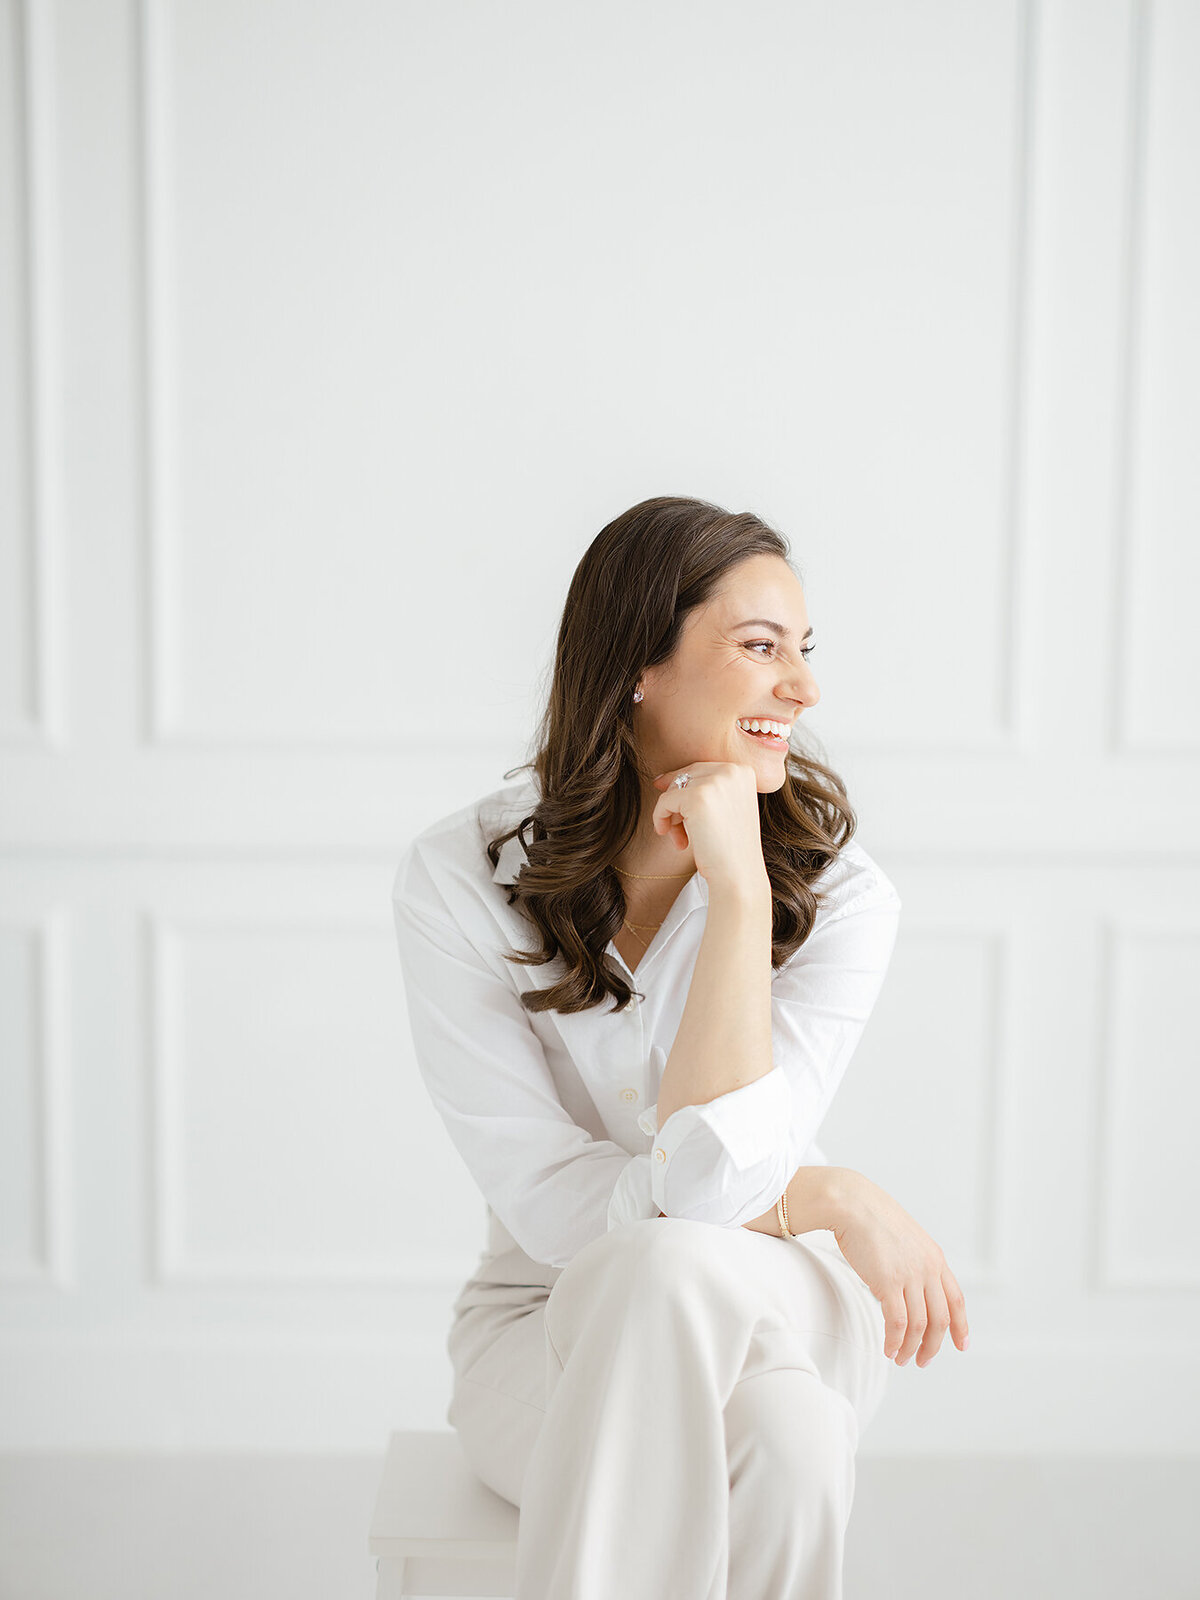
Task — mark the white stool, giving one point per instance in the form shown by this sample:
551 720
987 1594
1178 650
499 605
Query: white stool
437 1529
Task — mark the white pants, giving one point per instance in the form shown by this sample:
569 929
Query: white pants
675 1412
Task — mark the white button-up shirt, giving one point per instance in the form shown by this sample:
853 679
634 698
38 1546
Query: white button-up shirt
555 1115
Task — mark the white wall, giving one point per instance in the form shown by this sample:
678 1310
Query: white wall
334 333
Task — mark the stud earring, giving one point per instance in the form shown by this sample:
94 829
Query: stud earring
637 694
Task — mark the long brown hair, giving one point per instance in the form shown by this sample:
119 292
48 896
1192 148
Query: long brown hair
625 609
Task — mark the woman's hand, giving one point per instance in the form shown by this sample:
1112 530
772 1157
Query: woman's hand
717 814
903 1268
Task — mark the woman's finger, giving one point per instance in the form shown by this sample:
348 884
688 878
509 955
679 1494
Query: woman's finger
673 825
895 1321
914 1300
957 1304
938 1320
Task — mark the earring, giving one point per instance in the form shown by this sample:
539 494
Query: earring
637 694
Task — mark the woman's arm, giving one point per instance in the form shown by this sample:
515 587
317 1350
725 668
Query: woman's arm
759 1054
724 1035
552 1185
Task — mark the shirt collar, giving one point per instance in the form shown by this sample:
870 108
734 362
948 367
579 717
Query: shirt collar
512 855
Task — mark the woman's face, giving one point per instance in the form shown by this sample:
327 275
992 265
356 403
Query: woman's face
729 667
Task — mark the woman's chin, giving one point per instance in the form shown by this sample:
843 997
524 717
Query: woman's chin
771 774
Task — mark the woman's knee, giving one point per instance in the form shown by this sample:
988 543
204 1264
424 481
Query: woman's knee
786 1430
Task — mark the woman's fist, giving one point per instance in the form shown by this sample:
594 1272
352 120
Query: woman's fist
716 812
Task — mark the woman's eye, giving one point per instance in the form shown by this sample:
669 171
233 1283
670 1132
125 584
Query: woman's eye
770 644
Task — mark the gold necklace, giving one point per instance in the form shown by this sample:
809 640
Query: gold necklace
633 926
625 874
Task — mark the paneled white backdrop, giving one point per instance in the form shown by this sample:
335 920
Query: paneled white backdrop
331 336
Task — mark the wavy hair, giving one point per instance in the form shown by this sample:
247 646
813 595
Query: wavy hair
625 609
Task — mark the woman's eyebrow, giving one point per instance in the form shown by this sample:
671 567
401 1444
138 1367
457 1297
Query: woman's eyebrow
775 627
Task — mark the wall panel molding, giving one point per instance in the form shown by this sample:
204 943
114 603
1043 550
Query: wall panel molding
35 449
48 1264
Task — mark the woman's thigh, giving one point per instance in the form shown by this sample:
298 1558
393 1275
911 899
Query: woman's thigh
785 1302
804 1291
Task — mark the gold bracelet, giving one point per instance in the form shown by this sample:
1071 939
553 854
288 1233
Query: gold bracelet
781 1213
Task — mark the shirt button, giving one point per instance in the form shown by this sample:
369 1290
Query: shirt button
629 1094
660 1154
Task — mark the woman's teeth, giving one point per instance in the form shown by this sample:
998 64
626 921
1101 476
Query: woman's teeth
776 730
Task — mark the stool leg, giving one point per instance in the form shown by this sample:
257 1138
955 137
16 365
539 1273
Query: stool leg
392 1580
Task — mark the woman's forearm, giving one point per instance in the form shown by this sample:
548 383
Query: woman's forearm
724 1036
724 1040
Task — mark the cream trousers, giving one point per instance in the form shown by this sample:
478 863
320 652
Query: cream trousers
676 1412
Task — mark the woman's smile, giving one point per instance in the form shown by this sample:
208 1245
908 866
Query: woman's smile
771 741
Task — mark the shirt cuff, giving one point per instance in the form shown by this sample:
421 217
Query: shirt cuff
739 1130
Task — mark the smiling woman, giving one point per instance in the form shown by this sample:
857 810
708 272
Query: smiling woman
664 1276
704 623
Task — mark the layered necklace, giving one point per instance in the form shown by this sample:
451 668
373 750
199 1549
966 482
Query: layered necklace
653 926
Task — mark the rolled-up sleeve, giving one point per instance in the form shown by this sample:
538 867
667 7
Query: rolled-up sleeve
552 1185
729 1160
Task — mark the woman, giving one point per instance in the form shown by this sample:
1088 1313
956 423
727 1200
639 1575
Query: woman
632 1025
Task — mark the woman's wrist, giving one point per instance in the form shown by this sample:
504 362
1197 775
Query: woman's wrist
816 1198
751 894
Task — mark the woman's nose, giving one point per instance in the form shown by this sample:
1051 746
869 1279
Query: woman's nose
804 692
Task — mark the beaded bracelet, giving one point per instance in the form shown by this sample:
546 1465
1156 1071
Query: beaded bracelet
781 1213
